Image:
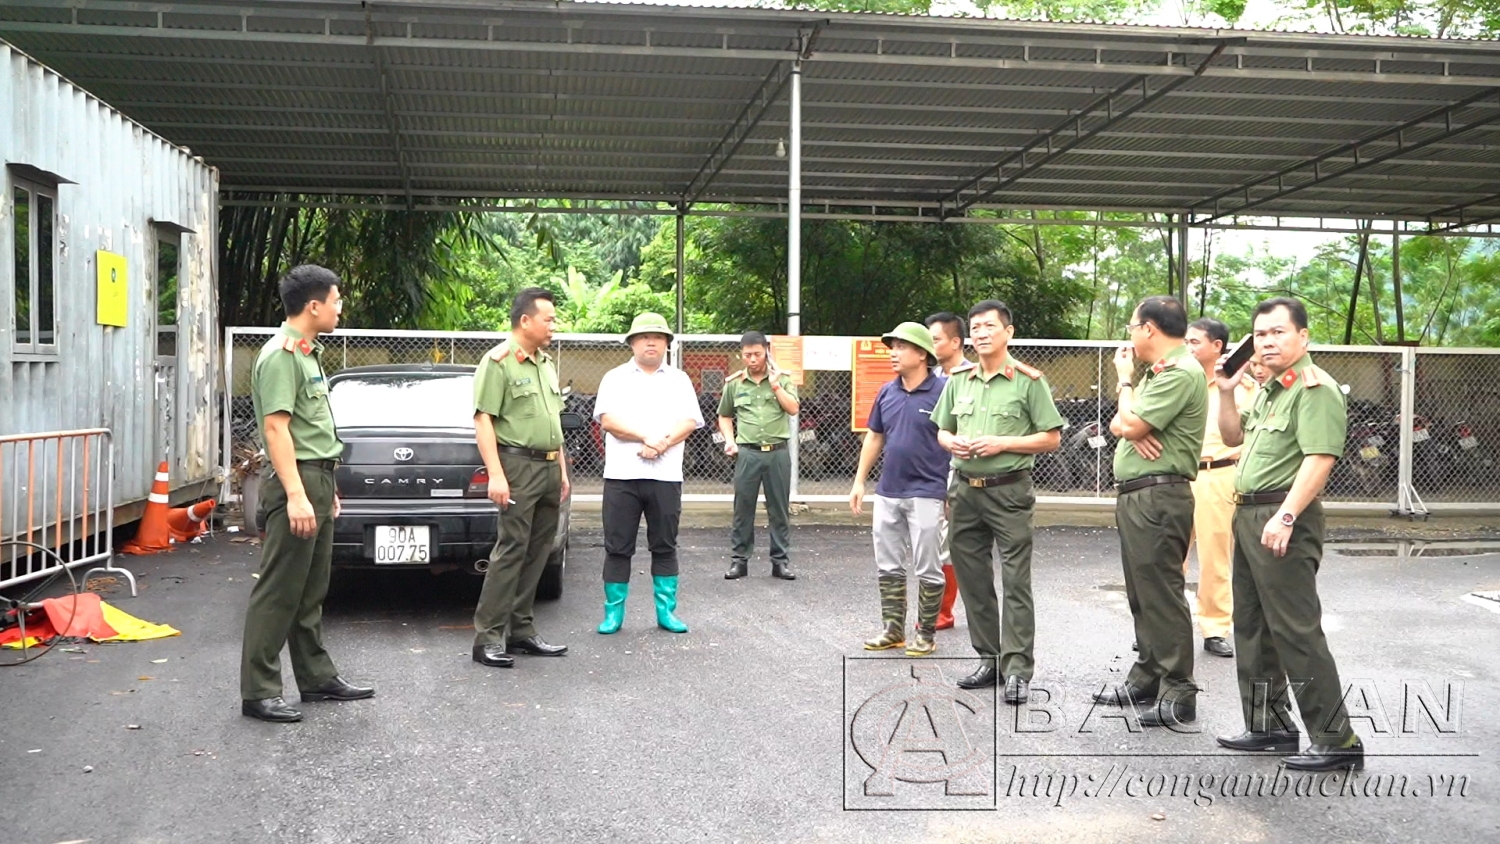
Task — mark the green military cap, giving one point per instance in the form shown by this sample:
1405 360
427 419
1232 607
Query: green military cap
914 333
649 323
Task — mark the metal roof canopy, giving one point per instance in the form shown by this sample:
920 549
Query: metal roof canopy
902 117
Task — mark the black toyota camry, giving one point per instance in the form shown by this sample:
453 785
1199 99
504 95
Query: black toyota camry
414 490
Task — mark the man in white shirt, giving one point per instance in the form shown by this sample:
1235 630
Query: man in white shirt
647 408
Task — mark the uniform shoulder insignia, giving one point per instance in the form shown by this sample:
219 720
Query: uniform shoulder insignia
1315 377
498 353
289 344
738 374
1031 372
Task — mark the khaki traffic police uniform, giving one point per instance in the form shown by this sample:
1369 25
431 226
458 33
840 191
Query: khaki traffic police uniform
286 602
761 429
1154 513
521 394
1278 619
992 502
1213 517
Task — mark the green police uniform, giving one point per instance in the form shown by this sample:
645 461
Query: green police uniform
761 429
1278 619
1156 523
286 602
520 393
1013 402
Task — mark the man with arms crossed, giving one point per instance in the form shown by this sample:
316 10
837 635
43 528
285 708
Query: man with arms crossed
1292 435
993 419
913 485
1160 425
647 408
518 426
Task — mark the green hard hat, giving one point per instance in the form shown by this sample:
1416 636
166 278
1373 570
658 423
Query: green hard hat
914 333
649 323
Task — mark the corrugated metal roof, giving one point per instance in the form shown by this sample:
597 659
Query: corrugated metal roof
604 100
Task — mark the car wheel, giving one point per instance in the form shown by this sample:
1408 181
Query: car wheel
550 587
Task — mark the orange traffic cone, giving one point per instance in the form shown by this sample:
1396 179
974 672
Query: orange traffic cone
186 523
155 534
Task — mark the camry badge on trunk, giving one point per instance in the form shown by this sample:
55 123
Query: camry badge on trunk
404 454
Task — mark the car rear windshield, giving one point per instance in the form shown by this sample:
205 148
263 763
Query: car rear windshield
404 400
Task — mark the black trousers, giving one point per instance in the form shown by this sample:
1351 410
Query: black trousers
624 503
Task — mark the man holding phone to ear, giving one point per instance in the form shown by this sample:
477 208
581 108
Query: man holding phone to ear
1292 435
755 418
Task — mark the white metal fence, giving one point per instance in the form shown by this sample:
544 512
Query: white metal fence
56 493
1424 424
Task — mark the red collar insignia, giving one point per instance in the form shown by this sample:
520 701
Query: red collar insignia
1288 378
1010 373
305 347
1159 366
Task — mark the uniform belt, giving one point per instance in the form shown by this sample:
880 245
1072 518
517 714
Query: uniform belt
1272 497
1150 480
549 456
986 481
326 464
1205 465
764 446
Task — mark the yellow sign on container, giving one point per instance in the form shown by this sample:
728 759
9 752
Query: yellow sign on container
114 289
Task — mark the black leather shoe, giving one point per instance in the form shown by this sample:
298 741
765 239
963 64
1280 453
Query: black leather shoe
535 646
737 569
493 655
1168 713
1016 690
272 709
783 571
337 689
1325 757
1124 693
1273 741
1218 646
982 678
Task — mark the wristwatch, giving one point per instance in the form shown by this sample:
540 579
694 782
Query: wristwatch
1124 384
1286 517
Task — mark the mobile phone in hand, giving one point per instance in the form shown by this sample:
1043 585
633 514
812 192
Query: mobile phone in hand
1240 355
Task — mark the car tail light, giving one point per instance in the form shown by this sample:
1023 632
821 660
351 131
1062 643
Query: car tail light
479 484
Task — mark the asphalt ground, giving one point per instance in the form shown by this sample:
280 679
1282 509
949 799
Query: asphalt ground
743 729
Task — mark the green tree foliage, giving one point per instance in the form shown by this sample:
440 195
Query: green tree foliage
399 268
857 277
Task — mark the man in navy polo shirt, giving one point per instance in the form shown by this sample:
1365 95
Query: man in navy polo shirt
913 484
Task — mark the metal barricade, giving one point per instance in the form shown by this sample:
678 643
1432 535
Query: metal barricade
57 491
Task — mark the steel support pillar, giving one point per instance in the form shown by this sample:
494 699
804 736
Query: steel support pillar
794 243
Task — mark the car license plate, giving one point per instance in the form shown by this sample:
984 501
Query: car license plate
1420 435
718 437
1468 443
1096 442
808 436
402 544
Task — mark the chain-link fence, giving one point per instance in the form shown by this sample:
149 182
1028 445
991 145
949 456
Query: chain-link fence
1456 425
1453 406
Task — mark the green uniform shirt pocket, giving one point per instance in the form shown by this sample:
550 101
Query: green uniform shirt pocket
314 404
527 399
1011 419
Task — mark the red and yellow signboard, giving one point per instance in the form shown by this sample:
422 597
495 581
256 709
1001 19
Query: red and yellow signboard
872 368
